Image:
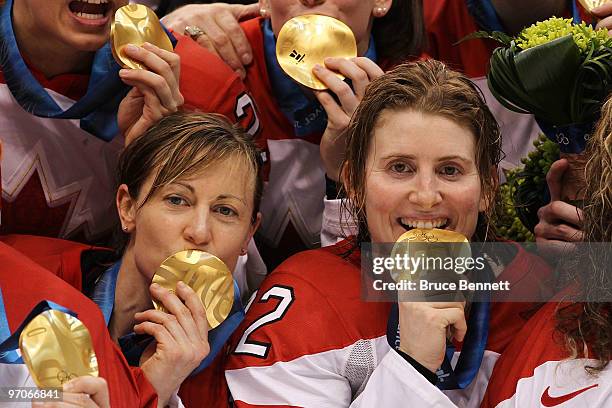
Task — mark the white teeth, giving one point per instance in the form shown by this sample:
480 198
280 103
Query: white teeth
424 224
94 1
90 16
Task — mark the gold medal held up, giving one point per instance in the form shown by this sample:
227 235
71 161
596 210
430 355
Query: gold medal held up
56 347
589 5
307 40
136 24
428 243
206 274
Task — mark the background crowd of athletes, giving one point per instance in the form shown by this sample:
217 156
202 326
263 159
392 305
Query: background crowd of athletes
445 22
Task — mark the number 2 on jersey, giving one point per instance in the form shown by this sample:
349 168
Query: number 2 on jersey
259 349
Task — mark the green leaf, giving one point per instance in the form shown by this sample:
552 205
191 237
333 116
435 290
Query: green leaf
547 73
504 84
593 84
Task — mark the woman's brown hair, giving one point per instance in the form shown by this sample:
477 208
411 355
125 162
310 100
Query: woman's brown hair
400 34
184 144
428 87
588 326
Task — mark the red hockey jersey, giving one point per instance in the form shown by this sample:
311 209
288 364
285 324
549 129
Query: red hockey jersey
24 284
64 259
309 340
293 198
58 180
535 370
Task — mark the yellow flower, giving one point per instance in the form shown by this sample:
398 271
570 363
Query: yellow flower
545 31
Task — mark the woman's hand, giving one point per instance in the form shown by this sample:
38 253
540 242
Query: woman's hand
423 329
222 35
604 12
560 223
155 91
86 391
361 71
181 337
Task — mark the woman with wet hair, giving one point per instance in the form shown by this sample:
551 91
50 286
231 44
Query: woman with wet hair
191 182
422 152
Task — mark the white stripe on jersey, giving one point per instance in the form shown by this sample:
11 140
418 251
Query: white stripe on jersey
294 192
314 380
322 380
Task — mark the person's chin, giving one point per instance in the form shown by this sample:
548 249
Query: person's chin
88 42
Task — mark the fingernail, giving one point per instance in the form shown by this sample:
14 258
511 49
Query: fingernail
131 48
155 285
246 58
317 67
241 73
68 386
123 72
181 285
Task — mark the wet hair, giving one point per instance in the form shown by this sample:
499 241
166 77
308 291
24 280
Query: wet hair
184 144
427 87
589 324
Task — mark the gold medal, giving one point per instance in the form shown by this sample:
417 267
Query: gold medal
589 5
206 274
307 40
136 24
56 347
428 244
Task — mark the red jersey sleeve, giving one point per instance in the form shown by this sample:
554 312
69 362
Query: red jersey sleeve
24 284
209 85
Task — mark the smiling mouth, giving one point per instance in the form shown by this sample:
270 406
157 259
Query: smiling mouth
90 9
411 223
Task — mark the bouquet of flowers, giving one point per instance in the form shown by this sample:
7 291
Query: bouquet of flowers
558 71
524 192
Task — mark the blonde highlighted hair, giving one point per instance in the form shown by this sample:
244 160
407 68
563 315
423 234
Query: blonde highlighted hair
588 326
184 144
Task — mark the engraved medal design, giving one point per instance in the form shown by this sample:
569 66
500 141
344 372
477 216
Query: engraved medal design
206 274
56 347
307 40
428 243
136 24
